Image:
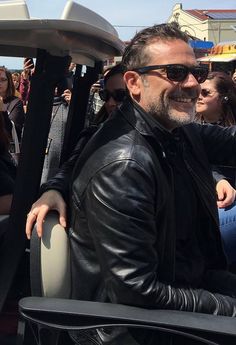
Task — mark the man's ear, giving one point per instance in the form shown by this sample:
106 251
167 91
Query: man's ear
133 83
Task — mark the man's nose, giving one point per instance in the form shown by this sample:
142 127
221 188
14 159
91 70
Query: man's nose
191 80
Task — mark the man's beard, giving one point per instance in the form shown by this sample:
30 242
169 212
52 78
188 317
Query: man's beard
167 116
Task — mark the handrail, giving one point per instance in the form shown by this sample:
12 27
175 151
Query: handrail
62 314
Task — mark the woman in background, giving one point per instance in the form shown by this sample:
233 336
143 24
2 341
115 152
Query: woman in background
7 170
217 105
217 101
11 105
16 81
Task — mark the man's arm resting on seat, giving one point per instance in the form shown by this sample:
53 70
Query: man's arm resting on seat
121 210
54 193
61 181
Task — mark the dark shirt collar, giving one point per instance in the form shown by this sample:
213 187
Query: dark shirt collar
152 122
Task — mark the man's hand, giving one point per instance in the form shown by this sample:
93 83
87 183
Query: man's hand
225 193
50 200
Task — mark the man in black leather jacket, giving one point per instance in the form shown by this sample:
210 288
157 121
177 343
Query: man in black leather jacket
143 216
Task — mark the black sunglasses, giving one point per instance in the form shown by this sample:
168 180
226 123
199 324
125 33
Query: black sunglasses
118 95
177 72
205 92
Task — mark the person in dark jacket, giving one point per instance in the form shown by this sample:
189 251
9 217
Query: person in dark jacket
143 218
54 193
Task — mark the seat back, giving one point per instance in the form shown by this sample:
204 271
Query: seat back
50 260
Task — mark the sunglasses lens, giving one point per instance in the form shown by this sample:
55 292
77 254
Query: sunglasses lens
179 73
204 93
200 74
176 73
119 95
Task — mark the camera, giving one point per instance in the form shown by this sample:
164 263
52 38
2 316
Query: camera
29 61
59 99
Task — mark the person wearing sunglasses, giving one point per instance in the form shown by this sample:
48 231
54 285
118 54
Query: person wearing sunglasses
54 191
143 217
217 105
217 101
112 94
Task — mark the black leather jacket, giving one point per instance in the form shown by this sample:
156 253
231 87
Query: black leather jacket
13 108
122 226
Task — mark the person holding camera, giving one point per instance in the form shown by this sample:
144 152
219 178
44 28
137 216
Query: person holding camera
24 88
56 133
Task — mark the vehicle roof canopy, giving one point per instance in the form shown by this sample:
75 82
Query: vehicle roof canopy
80 33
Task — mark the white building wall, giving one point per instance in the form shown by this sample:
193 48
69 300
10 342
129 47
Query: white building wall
209 30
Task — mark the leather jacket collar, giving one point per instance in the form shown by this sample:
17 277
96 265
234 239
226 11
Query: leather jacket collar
149 127
140 120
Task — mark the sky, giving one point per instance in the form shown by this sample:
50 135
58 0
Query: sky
128 16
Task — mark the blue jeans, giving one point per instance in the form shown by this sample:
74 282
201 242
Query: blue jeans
228 231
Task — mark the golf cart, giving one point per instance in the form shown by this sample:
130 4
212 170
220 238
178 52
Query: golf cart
48 314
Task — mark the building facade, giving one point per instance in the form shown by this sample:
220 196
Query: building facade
206 25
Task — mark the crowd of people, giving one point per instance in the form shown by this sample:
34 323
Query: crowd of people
150 184
12 118
14 95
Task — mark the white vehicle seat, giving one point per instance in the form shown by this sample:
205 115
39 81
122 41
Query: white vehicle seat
50 260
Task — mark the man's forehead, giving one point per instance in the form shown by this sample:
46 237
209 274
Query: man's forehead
170 51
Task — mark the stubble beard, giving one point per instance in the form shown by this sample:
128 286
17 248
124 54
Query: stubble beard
167 116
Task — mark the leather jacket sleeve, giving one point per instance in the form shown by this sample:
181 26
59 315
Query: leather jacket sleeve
218 176
61 181
123 212
219 144
7 122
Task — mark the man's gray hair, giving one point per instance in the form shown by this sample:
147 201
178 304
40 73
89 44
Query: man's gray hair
136 55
